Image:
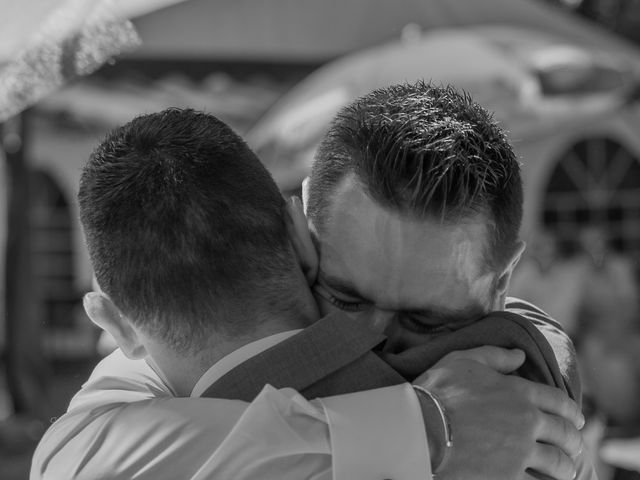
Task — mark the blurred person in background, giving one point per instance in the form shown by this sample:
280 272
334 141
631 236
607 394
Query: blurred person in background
610 368
550 280
473 292
608 343
610 285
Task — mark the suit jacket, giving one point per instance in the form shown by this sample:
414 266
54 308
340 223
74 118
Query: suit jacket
338 355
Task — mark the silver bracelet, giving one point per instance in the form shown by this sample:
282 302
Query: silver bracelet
448 435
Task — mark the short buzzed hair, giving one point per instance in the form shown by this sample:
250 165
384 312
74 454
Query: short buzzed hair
184 225
426 152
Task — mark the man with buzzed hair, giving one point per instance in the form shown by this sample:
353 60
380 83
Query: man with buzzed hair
414 256
415 198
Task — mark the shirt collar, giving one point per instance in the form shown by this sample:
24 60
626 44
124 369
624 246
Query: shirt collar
235 358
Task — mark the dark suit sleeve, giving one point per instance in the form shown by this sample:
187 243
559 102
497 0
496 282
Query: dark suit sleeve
559 341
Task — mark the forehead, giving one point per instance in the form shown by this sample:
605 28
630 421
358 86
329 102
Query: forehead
401 262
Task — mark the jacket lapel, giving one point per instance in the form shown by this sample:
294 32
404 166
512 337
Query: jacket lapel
300 361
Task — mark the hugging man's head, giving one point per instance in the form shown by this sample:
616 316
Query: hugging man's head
416 199
187 233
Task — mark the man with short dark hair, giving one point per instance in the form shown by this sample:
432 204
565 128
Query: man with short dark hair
456 165
415 198
139 339
178 245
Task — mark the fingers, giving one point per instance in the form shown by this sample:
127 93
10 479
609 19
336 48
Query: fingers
500 359
551 462
559 432
552 400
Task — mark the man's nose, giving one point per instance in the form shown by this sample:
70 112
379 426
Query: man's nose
381 320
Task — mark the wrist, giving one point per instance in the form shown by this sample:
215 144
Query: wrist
437 427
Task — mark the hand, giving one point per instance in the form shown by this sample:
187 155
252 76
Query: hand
504 427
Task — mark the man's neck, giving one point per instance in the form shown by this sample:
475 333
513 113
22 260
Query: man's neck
181 372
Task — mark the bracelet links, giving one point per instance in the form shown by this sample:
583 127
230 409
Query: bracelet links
448 434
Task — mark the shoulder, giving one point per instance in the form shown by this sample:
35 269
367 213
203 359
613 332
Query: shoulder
559 341
551 329
117 379
531 312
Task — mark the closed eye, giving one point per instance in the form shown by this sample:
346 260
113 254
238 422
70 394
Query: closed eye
342 304
347 306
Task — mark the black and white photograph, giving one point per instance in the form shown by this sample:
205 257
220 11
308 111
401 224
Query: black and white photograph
320 240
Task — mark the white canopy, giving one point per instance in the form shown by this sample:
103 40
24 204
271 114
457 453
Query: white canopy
44 44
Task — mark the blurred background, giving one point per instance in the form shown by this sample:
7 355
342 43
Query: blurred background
562 76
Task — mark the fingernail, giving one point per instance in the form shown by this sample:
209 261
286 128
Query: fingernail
581 422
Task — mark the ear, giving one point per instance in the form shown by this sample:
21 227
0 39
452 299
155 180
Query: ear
305 194
300 237
103 312
505 277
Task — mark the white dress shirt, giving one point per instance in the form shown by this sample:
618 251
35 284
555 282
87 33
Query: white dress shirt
125 424
237 357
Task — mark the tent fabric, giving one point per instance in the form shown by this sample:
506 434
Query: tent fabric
308 30
46 44
74 40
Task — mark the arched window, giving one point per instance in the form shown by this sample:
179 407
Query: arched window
51 238
68 334
596 182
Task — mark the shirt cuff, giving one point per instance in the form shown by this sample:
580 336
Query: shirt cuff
378 434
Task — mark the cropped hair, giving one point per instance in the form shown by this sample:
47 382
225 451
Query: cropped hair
185 226
427 152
